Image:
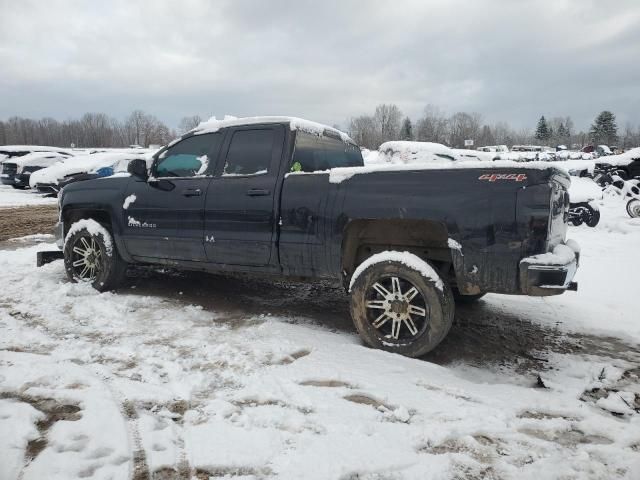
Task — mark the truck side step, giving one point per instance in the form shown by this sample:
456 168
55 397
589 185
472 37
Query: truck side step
48 257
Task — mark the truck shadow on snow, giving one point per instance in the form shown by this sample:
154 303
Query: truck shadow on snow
480 335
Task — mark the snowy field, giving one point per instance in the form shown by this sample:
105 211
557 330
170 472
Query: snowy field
196 376
10 197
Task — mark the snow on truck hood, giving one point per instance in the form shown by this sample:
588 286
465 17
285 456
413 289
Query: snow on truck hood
80 164
213 125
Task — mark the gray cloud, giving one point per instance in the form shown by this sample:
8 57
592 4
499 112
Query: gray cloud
327 61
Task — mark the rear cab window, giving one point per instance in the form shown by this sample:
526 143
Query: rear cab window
315 153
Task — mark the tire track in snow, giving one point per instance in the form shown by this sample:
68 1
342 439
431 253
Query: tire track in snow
140 467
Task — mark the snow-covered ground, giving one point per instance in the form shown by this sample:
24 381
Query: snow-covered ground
193 375
10 197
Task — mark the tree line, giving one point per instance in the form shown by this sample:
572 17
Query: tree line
92 130
388 123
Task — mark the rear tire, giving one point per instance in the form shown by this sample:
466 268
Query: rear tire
19 187
397 308
90 255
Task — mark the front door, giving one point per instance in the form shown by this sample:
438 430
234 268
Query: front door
240 205
164 216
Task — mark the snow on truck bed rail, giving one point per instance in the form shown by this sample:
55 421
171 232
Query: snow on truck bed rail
340 174
213 125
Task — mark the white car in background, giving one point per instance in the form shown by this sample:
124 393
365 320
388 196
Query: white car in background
17 170
405 152
82 167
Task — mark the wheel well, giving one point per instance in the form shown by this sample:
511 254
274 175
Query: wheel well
69 217
425 238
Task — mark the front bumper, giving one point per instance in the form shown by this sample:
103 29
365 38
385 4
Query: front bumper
18 179
59 234
44 257
550 273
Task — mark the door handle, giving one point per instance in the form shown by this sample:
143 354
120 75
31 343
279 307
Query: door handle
192 192
258 192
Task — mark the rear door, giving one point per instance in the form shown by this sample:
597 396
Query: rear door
164 216
241 202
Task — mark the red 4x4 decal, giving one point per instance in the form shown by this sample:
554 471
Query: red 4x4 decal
492 177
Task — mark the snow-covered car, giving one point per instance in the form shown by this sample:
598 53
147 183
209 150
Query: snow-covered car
11 151
625 165
17 171
52 179
494 148
485 156
404 152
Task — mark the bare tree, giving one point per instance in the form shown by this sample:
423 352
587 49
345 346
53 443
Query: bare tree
362 130
387 118
188 123
433 126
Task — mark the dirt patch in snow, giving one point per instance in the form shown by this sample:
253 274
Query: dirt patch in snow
22 221
53 410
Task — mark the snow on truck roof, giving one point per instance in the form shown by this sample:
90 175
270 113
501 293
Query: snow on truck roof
213 125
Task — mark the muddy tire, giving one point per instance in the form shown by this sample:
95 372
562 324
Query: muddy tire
399 309
90 255
459 298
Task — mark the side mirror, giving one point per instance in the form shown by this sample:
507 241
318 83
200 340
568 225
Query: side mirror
138 168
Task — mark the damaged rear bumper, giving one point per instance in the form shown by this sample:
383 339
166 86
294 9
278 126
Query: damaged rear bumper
550 273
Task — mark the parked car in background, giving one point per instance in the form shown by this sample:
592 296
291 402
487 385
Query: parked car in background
625 165
12 151
405 152
17 170
52 179
494 148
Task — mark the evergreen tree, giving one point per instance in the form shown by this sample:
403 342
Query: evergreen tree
604 129
562 131
406 131
542 130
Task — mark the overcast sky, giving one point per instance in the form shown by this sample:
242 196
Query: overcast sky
327 61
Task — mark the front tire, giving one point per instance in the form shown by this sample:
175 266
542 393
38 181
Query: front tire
401 306
90 256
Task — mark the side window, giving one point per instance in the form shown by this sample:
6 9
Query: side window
314 153
190 157
249 153
309 155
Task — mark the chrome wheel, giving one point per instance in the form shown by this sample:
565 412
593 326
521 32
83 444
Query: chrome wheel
633 208
396 309
86 260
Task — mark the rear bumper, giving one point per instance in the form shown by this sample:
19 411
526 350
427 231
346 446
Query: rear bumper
550 273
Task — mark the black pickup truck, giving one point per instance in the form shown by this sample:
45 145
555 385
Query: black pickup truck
286 197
